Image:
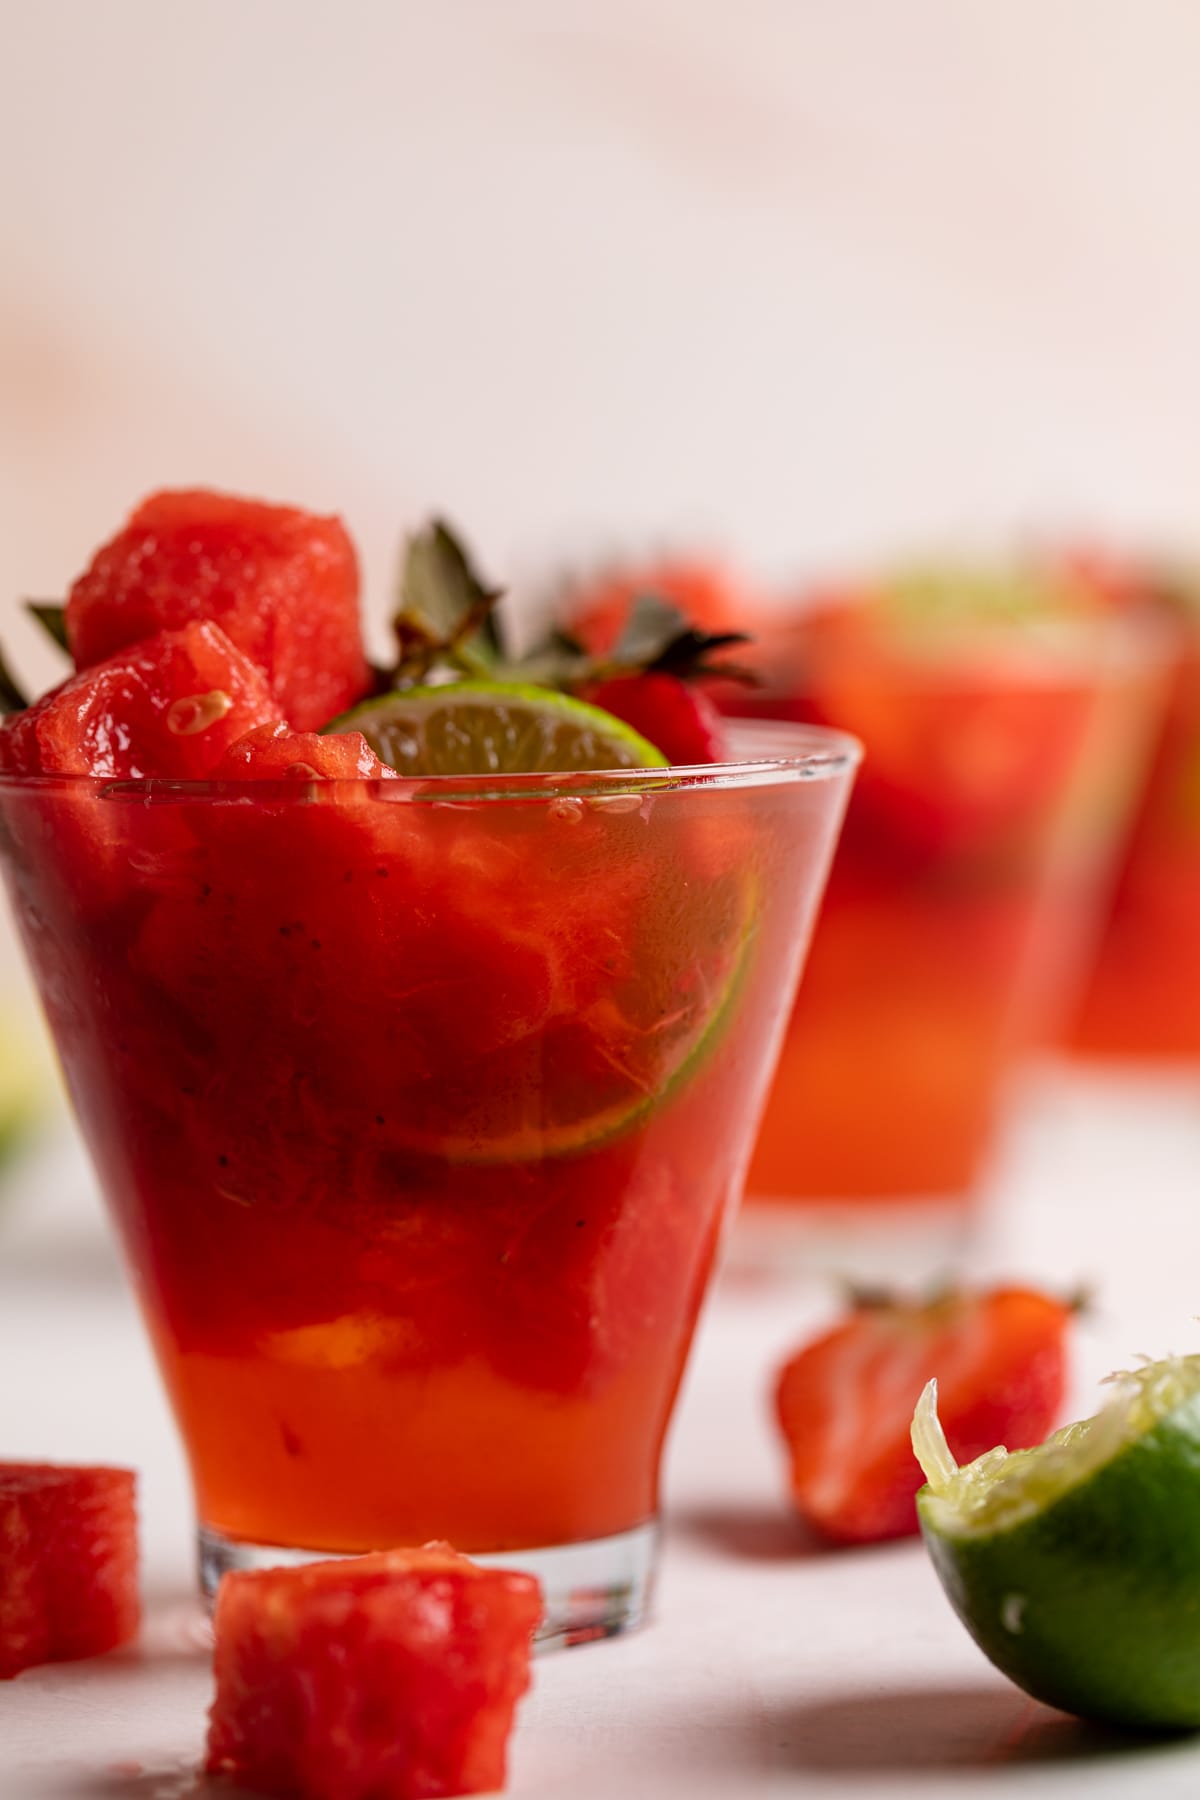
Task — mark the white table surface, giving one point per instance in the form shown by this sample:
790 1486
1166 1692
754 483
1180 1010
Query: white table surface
772 1667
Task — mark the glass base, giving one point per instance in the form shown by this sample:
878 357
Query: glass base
592 1590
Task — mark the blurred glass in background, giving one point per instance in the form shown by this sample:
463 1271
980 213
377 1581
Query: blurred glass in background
1008 714
1143 998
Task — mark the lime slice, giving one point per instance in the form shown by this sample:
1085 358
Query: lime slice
494 728
603 953
589 1078
1075 1565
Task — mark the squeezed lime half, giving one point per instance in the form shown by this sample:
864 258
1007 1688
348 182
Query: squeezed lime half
495 728
1075 1565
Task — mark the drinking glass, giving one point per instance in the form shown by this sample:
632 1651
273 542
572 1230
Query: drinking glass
419 1107
1002 760
1142 1001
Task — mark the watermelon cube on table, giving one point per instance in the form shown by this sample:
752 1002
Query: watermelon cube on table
168 706
392 1676
68 1563
281 583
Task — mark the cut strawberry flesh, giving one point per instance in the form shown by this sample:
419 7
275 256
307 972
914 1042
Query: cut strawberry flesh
68 1563
393 1676
282 584
845 1402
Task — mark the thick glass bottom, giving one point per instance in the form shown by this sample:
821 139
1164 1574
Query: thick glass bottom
596 1589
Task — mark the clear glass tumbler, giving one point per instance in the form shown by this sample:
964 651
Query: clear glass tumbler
419 1107
1002 763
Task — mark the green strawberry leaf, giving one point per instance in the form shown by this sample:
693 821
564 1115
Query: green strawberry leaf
446 612
52 617
658 638
12 700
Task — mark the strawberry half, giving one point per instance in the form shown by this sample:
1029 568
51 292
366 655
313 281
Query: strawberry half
845 1401
677 719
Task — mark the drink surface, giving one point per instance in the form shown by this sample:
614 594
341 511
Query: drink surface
419 1121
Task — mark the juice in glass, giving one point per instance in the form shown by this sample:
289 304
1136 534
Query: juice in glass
1142 1000
1001 755
419 1107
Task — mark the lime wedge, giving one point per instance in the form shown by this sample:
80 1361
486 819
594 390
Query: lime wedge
606 952
494 728
1075 1565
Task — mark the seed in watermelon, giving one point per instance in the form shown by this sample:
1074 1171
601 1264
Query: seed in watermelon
392 1676
68 1563
169 706
282 584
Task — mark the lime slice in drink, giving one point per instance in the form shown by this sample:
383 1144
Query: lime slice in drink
1075 1565
494 728
580 963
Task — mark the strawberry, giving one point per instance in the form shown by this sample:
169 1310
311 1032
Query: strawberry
710 598
845 1401
677 719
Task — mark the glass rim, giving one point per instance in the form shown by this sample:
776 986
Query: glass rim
946 654
778 753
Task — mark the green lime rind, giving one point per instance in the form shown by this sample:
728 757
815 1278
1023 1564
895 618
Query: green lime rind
1086 1591
465 728
605 1128
542 1142
494 729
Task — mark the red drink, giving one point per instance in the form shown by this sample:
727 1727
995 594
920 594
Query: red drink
419 1108
999 764
1143 999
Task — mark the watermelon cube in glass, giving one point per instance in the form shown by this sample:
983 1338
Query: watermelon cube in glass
282 584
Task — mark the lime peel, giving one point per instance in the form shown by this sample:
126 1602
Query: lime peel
489 728
929 1442
1002 1488
1075 1565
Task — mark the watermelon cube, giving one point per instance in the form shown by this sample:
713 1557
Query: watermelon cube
282 584
392 1676
68 1563
274 753
168 706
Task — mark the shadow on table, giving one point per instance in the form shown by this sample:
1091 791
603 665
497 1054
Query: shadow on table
130 1782
906 1732
752 1533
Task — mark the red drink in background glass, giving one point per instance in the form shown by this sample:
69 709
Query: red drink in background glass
419 1108
1143 997
1001 758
